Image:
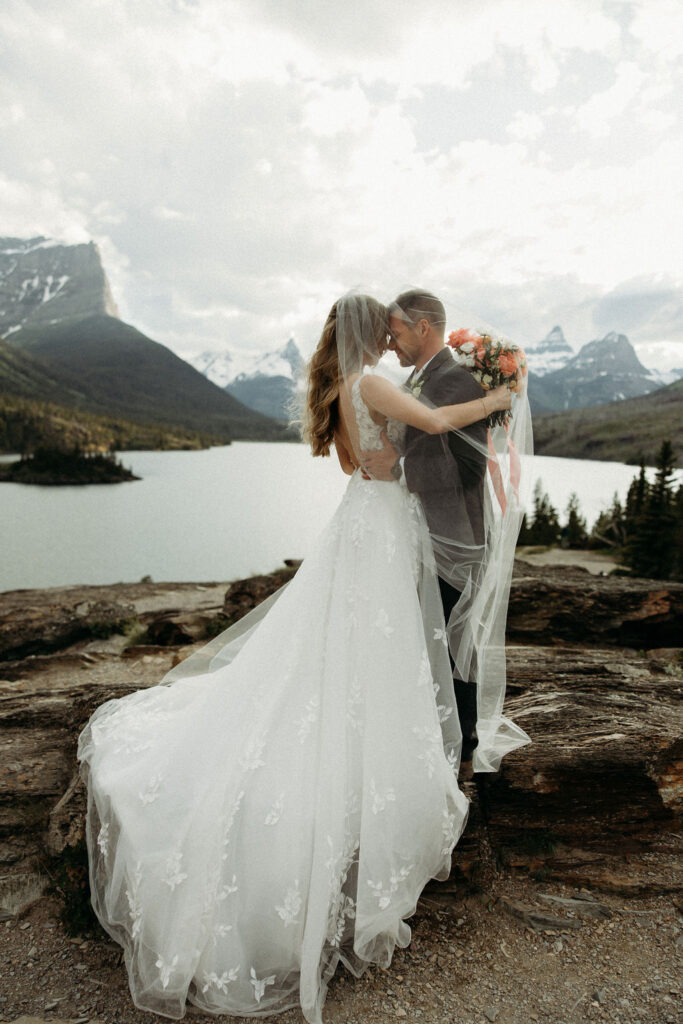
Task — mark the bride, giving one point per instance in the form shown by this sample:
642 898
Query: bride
278 803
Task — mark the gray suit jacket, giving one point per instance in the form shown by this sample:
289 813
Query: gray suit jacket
445 471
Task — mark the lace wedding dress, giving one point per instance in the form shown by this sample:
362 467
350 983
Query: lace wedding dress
251 826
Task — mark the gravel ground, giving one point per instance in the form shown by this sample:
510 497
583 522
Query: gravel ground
469 962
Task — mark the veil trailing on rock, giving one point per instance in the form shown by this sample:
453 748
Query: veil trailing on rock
474 492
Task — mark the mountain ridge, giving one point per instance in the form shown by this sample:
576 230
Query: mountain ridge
63 341
265 382
122 372
602 371
621 431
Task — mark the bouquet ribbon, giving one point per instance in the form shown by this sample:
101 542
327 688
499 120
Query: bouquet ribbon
496 474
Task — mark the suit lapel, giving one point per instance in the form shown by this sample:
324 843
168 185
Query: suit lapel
437 363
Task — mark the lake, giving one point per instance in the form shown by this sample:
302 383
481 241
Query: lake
218 514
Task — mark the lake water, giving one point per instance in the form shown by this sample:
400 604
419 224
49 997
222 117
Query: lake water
218 514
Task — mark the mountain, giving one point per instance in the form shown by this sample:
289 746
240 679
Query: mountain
552 353
27 376
604 370
62 341
621 431
265 383
120 371
43 282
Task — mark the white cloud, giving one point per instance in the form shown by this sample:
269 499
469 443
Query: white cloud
525 126
598 113
241 163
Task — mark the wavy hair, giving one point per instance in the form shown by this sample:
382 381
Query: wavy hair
321 413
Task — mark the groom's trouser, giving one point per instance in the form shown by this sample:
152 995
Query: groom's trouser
465 692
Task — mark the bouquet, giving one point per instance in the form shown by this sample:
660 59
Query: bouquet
492 362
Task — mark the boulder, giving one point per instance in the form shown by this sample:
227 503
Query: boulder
593 799
33 627
563 603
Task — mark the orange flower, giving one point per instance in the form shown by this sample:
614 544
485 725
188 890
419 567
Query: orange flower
508 364
460 337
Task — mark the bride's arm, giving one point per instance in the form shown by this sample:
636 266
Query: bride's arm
382 396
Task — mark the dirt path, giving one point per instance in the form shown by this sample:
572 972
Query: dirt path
469 962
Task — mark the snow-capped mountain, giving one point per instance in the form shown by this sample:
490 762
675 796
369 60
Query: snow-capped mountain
263 382
666 377
604 370
44 282
550 354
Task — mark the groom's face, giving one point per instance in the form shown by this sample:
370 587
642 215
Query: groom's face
404 341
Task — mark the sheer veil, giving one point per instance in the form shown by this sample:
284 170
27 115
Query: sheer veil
476 492
480 483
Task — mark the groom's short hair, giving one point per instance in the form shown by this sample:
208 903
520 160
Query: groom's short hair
417 305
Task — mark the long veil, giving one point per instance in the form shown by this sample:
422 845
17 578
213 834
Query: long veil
481 476
475 536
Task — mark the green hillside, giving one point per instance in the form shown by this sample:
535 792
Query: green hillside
28 423
27 376
620 431
105 366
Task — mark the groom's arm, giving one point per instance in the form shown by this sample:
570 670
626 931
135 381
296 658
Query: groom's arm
378 465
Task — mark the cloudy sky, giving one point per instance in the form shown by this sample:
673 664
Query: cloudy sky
242 162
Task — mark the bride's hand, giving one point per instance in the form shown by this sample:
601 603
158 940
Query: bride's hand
499 398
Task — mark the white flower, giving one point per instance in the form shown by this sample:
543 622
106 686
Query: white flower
467 347
342 909
309 718
103 839
382 623
231 820
221 983
379 800
275 813
152 792
134 905
384 894
227 890
260 984
289 911
165 969
174 876
448 831
424 675
251 758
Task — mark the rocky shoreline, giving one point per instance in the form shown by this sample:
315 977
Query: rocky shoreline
594 676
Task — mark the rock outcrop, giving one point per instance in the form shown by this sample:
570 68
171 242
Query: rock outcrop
593 676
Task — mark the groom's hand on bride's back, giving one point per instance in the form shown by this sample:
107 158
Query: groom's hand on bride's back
378 465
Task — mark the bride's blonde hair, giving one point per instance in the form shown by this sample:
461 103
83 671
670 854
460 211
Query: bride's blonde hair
321 414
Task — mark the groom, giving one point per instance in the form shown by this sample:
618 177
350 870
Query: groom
449 480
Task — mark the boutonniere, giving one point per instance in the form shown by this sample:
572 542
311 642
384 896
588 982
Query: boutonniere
416 387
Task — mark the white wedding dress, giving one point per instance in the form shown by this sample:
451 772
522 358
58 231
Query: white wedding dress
252 825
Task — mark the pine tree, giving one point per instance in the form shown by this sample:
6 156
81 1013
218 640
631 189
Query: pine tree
678 537
653 522
636 497
545 525
575 531
610 526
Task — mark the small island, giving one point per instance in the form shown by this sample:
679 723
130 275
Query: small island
55 466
